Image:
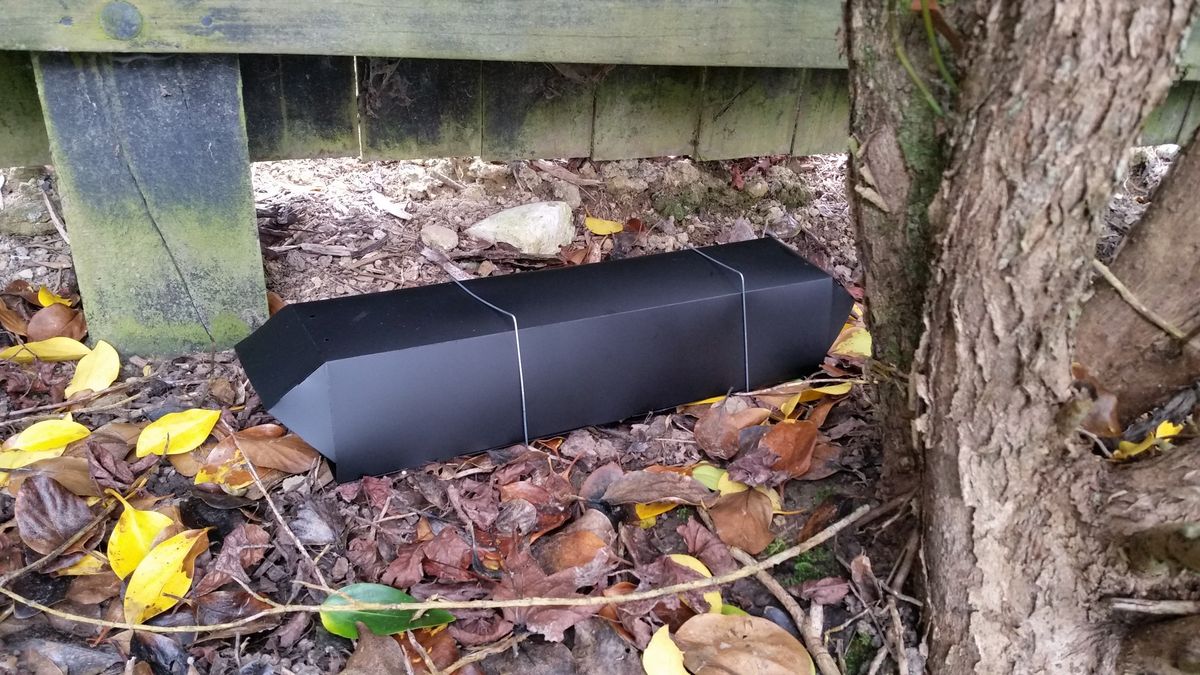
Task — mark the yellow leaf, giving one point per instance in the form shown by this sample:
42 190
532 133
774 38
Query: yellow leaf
92 563
708 401
652 510
47 435
47 297
601 226
53 349
1166 429
15 459
817 393
662 656
789 406
854 342
175 433
713 598
164 576
96 371
133 536
708 475
728 486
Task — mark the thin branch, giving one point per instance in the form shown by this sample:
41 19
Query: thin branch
1155 607
589 601
58 223
1137 305
483 653
14 415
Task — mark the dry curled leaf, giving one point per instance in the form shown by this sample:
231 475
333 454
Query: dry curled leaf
56 320
743 520
717 430
49 514
642 487
241 550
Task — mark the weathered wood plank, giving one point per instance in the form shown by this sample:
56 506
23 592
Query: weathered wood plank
748 112
822 125
299 107
1175 119
151 158
23 139
783 33
416 108
647 111
534 110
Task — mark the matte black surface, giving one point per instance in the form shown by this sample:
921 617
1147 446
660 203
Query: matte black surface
387 381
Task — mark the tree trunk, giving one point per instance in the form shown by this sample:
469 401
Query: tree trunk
1052 95
1132 357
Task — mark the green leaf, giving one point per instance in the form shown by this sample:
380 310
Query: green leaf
380 621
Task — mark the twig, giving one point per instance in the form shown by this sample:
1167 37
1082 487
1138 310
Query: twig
877 662
811 627
1137 305
898 629
589 601
483 653
429 664
1155 607
283 524
564 174
58 223
120 386
448 180
442 260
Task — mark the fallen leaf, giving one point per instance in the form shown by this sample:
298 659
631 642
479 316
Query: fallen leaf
721 643
11 321
438 645
228 606
1165 430
662 656
163 653
133 536
827 591
793 443
570 549
1101 419
95 588
54 349
90 564
641 487
743 520
96 371
712 597
717 430
602 227
48 435
383 203
241 550
275 302
706 546
56 321
177 432
375 655
49 514
854 342
46 298
523 578
164 576
378 621
71 472
708 475
269 446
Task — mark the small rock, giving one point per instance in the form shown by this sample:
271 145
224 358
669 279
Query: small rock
526 175
538 229
439 236
25 274
310 528
757 187
620 184
568 193
740 231
775 214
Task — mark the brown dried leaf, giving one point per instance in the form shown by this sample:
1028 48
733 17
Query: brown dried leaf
706 546
48 514
11 321
107 470
405 569
827 591
57 320
228 606
439 645
643 487
718 643
743 520
71 472
569 549
93 589
599 480
267 446
826 460
820 517
241 550
523 578
793 443
717 430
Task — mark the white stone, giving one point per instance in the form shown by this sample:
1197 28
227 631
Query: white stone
568 193
539 229
439 236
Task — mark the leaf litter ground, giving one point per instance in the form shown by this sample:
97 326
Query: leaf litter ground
599 513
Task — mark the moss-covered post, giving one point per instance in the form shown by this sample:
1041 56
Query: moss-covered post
153 169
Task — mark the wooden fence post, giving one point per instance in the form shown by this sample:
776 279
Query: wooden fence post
152 164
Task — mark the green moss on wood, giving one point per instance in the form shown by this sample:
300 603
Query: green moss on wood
23 139
646 111
748 112
533 110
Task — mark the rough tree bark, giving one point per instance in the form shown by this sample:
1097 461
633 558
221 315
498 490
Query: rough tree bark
1052 94
1131 356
